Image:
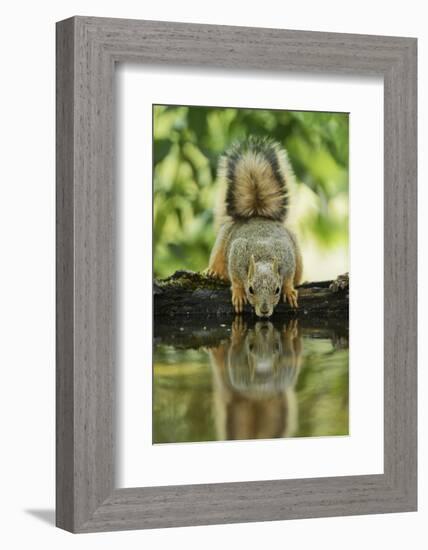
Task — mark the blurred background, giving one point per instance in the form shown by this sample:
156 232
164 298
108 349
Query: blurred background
187 144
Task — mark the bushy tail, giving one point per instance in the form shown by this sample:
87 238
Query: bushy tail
257 174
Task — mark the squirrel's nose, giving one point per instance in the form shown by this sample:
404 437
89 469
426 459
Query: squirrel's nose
264 310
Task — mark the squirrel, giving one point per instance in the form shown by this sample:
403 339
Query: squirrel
254 250
255 373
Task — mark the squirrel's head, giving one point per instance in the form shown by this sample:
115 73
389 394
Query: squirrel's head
263 287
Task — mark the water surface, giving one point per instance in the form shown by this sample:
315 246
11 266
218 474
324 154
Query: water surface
250 380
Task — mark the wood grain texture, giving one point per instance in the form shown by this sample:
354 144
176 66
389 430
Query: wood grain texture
87 49
64 277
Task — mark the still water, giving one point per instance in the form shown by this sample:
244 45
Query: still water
261 380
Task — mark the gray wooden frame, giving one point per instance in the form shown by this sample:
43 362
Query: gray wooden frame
87 50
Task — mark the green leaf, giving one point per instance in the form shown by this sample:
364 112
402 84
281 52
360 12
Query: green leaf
161 149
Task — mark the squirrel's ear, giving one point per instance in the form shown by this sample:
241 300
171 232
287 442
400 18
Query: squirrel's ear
251 267
275 265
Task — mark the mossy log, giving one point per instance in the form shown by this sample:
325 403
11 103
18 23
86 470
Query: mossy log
189 294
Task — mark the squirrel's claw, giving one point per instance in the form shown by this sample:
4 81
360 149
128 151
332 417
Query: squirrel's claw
290 330
239 325
290 296
212 273
239 330
239 299
238 304
209 272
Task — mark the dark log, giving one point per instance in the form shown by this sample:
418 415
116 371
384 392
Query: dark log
188 294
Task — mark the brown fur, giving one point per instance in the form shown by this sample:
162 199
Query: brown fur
251 214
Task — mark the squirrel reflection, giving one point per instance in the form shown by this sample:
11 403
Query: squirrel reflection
255 373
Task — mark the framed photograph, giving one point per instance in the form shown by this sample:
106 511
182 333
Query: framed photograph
236 274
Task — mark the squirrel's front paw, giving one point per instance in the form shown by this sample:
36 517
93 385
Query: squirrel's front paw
209 272
239 329
291 329
239 298
290 296
214 274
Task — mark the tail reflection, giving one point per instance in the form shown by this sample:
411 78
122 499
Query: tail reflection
255 373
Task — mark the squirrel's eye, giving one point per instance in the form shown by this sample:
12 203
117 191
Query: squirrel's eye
251 290
277 290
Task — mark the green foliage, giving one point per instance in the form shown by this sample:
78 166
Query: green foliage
187 144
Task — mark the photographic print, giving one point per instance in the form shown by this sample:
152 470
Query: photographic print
251 276
238 388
